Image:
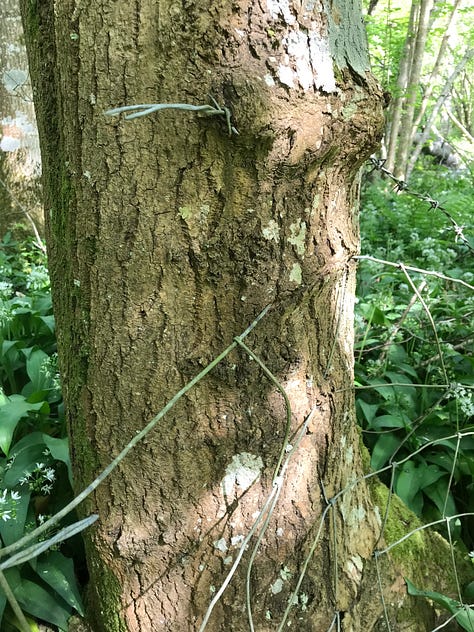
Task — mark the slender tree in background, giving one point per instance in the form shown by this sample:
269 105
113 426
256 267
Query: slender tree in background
405 137
19 147
434 112
425 57
398 104
167 236
462 107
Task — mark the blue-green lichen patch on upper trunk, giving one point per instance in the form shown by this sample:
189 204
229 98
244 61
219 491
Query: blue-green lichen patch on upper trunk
347 36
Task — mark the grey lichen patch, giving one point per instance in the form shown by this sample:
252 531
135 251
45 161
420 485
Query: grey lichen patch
281 8
298 236
349 110
353 516
244 470
354 568
186 212
322 63
221 545
296 274
271 231
356 516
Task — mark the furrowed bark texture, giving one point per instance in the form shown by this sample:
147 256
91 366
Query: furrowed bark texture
167 236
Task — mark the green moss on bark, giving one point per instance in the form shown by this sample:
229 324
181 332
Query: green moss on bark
105 605
422 555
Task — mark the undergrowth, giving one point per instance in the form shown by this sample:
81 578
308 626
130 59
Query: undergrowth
414 381
35 472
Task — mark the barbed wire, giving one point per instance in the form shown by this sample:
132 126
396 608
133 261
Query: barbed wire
402 187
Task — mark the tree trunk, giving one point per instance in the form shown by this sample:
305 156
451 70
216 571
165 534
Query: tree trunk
406 125
19 147
433 80
396 108
436 108
167 236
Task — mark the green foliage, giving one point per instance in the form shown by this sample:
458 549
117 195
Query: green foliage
386 31
35 470
463 615
415 384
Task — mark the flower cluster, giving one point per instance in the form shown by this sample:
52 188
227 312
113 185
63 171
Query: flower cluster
8 503
464 399
40 480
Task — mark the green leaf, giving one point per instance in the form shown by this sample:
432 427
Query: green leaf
378 317
387 392
25 454
59 449
10 414
34 363
396 354
407 486
368 410
383 450
34 397
49 322
441 459
464 615
442 497
13 529
469 592
38 602
408 369
390 421
7 345
58 572
3 603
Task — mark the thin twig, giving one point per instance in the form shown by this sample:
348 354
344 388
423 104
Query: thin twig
430 318
5 586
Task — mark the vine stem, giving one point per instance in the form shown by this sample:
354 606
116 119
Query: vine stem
22 622
130 445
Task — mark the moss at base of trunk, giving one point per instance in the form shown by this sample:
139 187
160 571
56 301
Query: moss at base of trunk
104 608
425 558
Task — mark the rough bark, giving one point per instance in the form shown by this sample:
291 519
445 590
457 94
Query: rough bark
166 238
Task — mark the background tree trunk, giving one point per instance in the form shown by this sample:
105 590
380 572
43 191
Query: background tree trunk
19 146
166 238
398 103
406 125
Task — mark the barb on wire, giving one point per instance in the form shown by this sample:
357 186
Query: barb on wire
398 265
402 186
